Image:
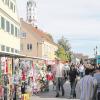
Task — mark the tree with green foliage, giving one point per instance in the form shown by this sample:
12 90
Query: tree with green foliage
64 49
61 53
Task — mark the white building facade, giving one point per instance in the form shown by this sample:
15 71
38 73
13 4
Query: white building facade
9 27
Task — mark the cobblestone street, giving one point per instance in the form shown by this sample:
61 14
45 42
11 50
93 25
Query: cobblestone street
51 94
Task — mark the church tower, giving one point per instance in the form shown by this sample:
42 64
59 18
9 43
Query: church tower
31 5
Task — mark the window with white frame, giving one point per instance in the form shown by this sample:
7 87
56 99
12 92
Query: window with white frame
2 47
3 1
16 51
7 26
23 35
14 8
12 29
29 46
7 2
3 23
11 5
8 49
16 34
12 50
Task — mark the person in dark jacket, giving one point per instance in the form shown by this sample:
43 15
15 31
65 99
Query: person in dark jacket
23 88
72 77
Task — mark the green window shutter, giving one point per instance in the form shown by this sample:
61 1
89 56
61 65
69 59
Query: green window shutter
2 23
7 26
12 29
16 31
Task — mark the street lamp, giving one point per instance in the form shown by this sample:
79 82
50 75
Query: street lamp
96 53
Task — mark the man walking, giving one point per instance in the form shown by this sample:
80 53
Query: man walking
59 76
72 77
66 70
97 77
81 70
87 85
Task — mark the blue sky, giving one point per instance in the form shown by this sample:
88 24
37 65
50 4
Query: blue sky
77 20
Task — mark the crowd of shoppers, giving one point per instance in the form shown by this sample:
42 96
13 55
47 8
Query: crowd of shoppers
83 78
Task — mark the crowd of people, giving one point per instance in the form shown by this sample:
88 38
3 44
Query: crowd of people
84 79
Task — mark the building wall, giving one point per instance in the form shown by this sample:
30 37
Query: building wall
28 39
49 50
11 12
40 46
7 37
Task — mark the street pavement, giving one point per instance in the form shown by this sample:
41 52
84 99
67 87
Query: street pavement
51 94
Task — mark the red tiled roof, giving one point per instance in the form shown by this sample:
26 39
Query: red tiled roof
39 33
